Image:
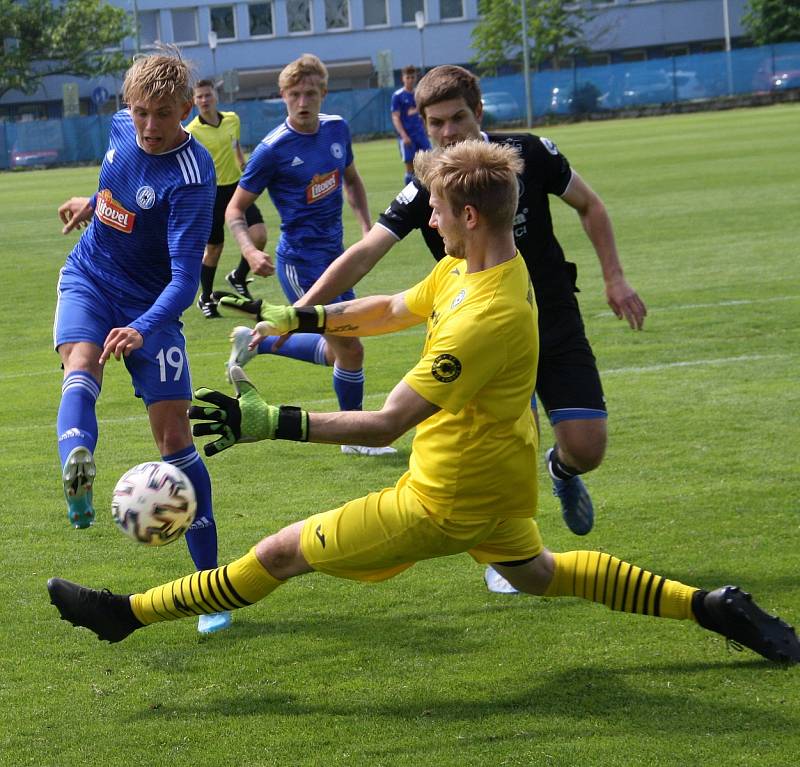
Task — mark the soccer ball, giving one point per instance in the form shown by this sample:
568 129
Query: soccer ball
154 503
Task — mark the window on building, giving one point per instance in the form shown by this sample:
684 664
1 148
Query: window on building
633 56
676 50
375 13
598 59
223 22
451 9
298 14
409 9
337 14
261 19
184 25
149 28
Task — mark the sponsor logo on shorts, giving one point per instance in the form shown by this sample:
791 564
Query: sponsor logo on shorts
446 368
146 197
111 213
322 185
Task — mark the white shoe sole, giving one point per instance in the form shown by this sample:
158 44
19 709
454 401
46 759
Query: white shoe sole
364 450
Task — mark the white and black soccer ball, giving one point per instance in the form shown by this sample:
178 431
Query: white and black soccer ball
154 503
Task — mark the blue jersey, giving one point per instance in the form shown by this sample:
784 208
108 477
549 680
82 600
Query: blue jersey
152 218
303 173
403 102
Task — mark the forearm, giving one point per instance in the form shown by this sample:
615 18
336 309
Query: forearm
357 199
362 427
398 126
597 225
369 316
345 272
237 223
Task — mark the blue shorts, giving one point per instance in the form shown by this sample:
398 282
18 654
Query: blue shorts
419 143
159 370
296 279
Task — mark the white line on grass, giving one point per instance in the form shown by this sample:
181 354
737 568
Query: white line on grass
379 397
732 302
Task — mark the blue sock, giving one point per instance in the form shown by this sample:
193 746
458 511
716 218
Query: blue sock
76 423
407 178
349 388
201 537
306 347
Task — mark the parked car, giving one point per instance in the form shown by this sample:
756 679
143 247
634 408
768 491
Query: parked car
500 107
785 79
583 99
32 158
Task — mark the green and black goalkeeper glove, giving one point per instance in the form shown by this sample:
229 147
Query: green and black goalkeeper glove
276 319
239 303
247 418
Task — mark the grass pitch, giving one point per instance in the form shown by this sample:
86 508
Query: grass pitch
700 483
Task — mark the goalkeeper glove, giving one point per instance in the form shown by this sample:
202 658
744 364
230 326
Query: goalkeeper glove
275 319
244 419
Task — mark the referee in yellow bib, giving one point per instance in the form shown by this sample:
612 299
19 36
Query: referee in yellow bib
471 484
219 132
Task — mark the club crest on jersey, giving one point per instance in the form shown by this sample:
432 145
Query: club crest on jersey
111 213
146 197
549 145
446 368
322 184
337 150
459 298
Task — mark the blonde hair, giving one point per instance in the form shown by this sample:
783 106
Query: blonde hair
159 75
475 173
308 65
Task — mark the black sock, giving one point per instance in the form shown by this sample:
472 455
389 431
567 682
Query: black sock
242 270
558 469
207 281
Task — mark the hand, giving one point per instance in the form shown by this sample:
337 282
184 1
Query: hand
244 419
260 263
625 302
407 140
121 342
240 303
75 213
276 320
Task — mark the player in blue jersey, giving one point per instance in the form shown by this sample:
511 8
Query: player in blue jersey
127 281
306 164
408 122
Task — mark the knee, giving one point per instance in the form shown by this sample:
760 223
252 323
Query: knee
349 355
583 450
211 254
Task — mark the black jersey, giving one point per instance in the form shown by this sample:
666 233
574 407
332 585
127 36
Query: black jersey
546 172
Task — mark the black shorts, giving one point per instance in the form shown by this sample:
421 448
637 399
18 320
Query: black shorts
224 193
568 380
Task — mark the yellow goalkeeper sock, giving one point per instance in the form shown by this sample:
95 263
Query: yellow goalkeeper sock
239 584
602 578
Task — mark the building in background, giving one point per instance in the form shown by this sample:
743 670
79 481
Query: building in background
244 45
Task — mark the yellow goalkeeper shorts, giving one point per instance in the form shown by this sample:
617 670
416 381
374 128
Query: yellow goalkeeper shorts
380 535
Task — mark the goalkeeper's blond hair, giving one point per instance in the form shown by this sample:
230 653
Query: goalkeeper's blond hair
474 173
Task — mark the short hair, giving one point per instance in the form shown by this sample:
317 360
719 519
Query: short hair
308 65
476 173
447 82
205 83
158 75
409 70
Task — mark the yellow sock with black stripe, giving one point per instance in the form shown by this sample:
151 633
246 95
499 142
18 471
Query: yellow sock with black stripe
239 584
621 586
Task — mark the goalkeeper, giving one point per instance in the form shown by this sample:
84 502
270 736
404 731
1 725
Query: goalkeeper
471 486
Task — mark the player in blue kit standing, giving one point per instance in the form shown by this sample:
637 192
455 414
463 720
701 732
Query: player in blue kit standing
408 122
306 164
127 281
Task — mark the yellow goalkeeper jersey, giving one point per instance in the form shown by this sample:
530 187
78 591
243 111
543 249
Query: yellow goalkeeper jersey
220 140
478 454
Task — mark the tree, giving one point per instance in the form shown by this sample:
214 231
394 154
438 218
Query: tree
40 38
773 21
555 31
